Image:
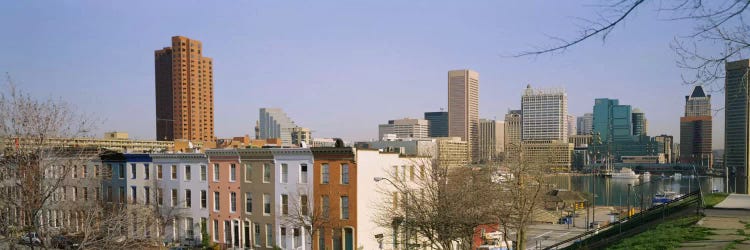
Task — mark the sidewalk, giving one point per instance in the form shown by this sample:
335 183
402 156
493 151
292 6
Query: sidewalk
730 223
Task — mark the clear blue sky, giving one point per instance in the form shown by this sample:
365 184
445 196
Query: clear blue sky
338 67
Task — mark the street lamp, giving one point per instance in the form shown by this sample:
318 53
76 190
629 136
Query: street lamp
406 211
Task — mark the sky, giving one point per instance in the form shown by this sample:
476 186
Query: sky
340 67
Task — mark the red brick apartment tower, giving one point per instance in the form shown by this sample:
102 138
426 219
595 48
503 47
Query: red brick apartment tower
224 204
184 92
335 191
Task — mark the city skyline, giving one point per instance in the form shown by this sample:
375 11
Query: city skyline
249 62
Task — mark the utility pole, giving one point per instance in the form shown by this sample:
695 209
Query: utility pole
629 187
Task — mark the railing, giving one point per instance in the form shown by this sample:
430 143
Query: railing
628 223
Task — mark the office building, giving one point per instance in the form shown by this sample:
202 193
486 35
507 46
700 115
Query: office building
665 147
184 92
545 114
640 124
452 152
463 108
613 134
696 129
274 123
736 111
405 128
572 125
554 155
585 124
301 135
438 123
491 140
512 131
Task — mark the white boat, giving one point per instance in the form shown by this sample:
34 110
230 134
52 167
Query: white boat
646 176
677 176
625 173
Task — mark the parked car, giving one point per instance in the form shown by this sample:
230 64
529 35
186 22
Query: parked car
64 242
31 238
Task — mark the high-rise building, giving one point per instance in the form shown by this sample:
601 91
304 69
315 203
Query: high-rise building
274 123
736 113
405 128
585 124
491 139
513 130
640 125
613 134
300 135
572 125
545 114
463 108
184 92
666 147
438 123
696 128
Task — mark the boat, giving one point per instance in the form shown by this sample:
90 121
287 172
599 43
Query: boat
664 197
646 176
625 173
677 176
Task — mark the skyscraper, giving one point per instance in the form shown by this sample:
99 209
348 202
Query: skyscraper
572 125
438 123
274 123
491 139
405 128
545 114
613 132
513 130
736 109
640 125
585 124
696 128
184 92
463 108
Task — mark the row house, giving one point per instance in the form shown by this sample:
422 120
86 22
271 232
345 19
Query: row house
335 191
224 191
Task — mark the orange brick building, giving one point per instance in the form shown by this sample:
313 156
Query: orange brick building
335 194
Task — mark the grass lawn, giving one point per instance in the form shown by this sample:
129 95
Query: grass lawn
667 235
710 200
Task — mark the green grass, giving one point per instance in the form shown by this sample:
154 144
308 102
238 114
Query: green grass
667 235
710 200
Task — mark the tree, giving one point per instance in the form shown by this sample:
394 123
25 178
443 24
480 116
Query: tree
437 206
33 171
303 215
720 22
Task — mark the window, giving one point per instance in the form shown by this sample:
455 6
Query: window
216 201
188 198
160 197
303 173
122 171
203 198
75 172
159 170
233 202
216 172
266 204
325 205
283 237
321 238
133 194
344 207
284 173
395 200
85 193
411 173
97 171
248 173
284 204
189 227
109 194
266 173
344 173
132 171
269 235
232 173
147 194
203 173
256 239
121 195
248 202
187 173
297 239
216 230
303 204
324 174
85 171
395 173
174 172
421 172
146 172
174 197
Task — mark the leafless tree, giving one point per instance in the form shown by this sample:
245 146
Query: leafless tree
437 206
719 23
303 215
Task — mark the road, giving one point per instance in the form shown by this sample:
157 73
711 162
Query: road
541 235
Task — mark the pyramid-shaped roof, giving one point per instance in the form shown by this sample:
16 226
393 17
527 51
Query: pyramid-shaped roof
698 92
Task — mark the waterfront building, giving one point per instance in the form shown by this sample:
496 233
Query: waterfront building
585 124
665 147
696 129
736 124
544 114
